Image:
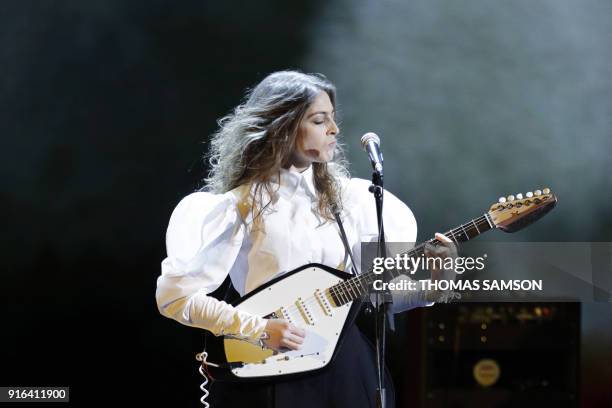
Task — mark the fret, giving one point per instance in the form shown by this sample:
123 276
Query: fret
362 287
365 277
485 226
466 231
347 291
487 218
357 283
473 232
475 226
350 289
467 237
357 286
332 293
369 278
341 294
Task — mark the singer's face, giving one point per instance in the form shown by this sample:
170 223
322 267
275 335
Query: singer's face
316 139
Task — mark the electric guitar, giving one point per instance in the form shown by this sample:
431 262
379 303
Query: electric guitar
323 300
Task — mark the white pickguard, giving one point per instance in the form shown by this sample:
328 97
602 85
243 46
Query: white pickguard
321 336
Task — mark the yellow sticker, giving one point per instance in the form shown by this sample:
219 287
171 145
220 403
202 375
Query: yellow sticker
486 372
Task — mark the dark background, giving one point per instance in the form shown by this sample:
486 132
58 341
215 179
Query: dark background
106 108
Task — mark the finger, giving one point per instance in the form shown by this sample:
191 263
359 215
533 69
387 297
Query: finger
449 245
295 339
298 331
443 238
290 344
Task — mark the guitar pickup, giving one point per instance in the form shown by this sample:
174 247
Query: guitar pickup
304 311
283 313
327 309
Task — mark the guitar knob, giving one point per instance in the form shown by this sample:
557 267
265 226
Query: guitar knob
519 196
546 190
501 200
529 194
537 192
510 197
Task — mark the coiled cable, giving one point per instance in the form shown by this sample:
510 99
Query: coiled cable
201 357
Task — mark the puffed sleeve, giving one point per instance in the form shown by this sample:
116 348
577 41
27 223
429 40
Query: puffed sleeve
400 230
203 239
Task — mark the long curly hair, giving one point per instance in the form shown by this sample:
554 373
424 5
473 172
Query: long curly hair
257 139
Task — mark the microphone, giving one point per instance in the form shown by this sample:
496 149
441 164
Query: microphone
370 143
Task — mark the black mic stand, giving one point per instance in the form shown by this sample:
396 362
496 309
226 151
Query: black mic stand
384 299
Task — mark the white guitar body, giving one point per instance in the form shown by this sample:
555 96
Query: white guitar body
300 298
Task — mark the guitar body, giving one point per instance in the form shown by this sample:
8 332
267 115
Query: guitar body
298 297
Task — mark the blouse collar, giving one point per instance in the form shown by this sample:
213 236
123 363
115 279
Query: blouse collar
292 181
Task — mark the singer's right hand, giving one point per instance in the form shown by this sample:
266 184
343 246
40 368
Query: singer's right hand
283 335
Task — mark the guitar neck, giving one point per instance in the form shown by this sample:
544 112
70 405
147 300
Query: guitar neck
357 286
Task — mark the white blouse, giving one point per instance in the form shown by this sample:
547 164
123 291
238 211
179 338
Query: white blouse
208 238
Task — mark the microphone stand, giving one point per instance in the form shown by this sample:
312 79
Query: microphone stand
383 300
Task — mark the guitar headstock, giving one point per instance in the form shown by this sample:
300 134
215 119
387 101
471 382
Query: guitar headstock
513 213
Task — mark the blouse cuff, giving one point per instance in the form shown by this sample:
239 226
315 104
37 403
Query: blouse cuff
203 310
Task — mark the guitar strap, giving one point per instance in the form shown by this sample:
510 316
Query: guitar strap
366 305
347 247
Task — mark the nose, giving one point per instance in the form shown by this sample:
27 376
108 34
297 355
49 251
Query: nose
333 129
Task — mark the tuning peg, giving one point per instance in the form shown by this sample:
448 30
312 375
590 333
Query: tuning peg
529 194
537 192
501 200
519 196
546 190
510 197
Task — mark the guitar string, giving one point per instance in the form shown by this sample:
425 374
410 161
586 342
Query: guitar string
341 289
345 292
350 292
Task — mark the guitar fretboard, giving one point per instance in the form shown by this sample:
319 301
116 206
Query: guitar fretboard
359 285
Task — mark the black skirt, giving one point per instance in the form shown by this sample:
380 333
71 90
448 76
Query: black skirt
349 381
